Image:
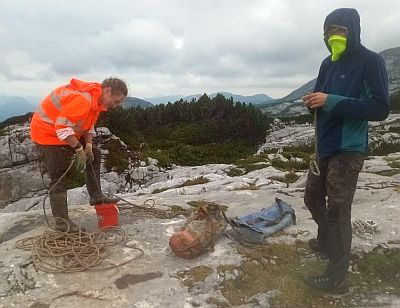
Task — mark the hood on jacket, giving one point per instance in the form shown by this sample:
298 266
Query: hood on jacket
93 87
350 19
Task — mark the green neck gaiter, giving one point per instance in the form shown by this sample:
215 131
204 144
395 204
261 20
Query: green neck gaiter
338 46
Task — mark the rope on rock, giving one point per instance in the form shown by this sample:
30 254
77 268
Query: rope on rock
61 252
365 229
148 209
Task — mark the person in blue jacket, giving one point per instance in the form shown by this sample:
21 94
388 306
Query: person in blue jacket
351 89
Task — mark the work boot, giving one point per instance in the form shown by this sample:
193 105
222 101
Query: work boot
92 177
58 202
102 199
68 226
327 284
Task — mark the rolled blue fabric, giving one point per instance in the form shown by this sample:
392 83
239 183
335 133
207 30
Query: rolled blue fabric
256 227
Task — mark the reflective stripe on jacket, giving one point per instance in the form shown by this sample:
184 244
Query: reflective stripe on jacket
71 109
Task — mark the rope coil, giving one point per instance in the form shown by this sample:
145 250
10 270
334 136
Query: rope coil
365 229
61 252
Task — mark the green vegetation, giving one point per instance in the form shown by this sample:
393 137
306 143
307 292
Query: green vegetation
288 165
205 131
196 181
159 190
384 149
299 119
389 172
289 177
164 161
117 158
16 120
394 129
250 186
395 102
388 158
277 178
249 164
235 172
196 274
379 270
179 210
394 164
282 267
291 153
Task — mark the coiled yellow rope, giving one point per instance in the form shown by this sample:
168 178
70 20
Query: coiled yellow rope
59 252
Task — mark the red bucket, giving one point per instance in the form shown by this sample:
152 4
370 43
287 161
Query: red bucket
107 215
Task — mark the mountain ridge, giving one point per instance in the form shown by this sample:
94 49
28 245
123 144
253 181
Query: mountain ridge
290 105
253 99
132 101
16 105
19 105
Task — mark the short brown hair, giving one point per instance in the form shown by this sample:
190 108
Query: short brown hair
118 86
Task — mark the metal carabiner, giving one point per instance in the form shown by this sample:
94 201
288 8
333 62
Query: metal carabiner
314 167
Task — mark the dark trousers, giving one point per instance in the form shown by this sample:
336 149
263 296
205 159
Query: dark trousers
329 197
56 159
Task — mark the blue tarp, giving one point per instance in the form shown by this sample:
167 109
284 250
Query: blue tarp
262 224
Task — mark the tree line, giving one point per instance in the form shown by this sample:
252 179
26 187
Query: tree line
199 131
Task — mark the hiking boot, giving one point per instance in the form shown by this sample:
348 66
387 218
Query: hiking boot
327 284
92 179
68 226
103 199
316 246
59 208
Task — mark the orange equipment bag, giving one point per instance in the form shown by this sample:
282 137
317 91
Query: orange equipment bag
200 231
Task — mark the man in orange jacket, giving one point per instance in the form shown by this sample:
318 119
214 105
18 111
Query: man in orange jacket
64 125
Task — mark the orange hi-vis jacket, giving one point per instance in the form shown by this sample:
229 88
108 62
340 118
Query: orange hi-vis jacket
71 109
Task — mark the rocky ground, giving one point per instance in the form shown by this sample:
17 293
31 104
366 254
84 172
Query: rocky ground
160 279
230 275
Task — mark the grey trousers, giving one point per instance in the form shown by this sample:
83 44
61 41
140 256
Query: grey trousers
329 197
56 159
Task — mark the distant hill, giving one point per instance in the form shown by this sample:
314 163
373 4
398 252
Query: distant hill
256 99
135 102
20 119
163 99
296 94
14 105
392 60
291 105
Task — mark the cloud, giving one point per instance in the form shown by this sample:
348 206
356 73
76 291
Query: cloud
137 43
175 46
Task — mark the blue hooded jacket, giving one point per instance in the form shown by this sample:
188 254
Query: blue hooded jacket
357 88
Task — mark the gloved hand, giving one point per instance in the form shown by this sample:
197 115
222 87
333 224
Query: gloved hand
80 158
89 152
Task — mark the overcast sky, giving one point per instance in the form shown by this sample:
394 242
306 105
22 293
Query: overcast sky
165 47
